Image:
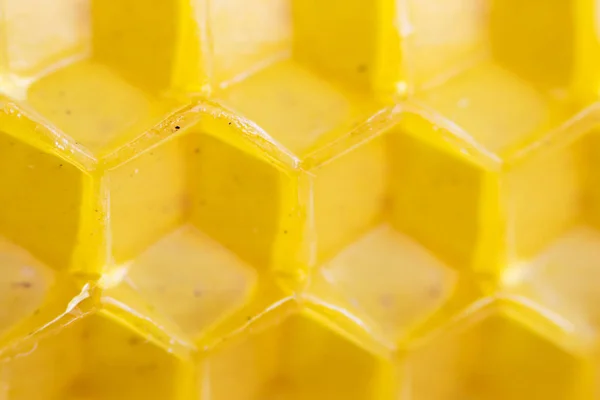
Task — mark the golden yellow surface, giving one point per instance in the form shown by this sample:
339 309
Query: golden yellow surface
299 199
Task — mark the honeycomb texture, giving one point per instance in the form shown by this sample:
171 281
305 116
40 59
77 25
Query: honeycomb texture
299 199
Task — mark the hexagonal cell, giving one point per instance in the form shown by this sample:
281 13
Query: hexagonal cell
369 257
494 357
225 211
524 39
213 175
296 359
91 357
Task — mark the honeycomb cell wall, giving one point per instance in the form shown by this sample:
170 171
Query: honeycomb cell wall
299 199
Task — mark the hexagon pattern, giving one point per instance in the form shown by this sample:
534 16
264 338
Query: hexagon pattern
299 199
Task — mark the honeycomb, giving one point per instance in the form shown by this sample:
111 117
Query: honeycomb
299 199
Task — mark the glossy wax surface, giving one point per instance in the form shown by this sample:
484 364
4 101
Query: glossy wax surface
299 199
